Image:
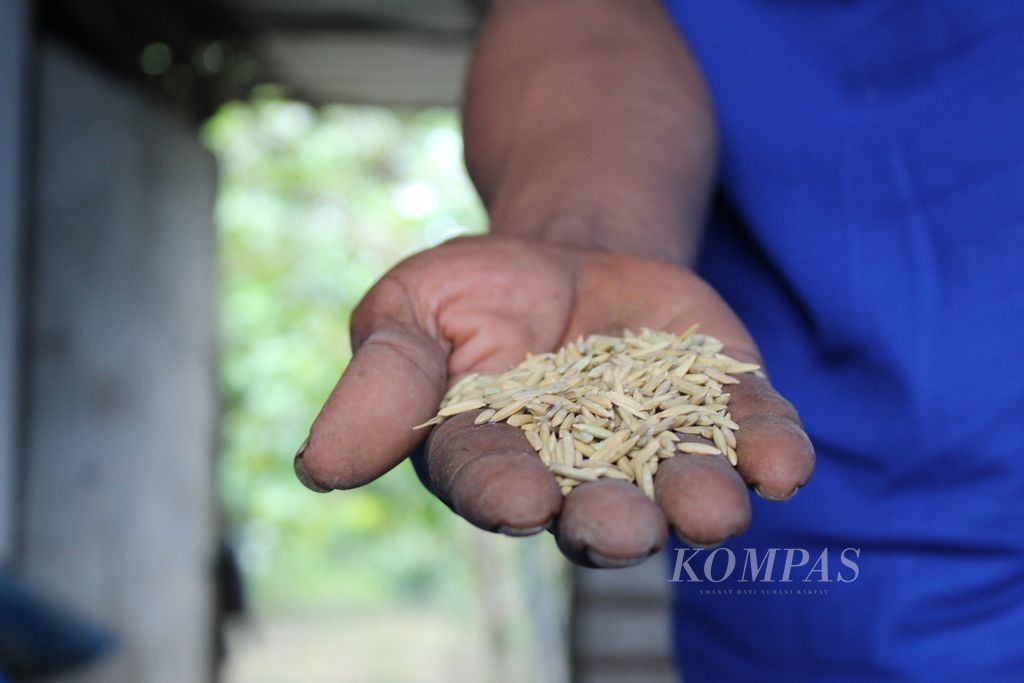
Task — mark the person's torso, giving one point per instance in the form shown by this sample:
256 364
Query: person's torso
870 232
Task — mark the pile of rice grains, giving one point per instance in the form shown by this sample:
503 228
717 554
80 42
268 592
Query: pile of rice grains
612 407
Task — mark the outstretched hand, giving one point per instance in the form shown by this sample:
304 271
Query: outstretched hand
480 305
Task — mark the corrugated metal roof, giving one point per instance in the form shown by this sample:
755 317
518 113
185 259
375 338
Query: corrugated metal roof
441 15
378 69
396 52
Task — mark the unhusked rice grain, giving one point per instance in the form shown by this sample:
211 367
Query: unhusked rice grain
612 407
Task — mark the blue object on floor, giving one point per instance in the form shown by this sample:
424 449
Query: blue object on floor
38 638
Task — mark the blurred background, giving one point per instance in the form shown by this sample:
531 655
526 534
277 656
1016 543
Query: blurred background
193 198
313 206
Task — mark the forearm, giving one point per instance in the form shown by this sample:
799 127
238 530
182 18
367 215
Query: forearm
587 123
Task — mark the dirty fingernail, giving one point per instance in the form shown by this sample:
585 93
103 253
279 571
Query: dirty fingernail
700 546
603 562
302 474
518 532
775 499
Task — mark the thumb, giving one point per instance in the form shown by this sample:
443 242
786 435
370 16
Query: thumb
395 380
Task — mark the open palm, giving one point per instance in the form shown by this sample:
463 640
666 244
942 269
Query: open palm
480 305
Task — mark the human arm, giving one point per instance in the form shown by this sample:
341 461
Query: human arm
591 140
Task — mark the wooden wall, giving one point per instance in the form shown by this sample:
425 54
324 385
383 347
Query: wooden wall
620 624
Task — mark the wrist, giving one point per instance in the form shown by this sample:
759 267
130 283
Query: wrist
602 228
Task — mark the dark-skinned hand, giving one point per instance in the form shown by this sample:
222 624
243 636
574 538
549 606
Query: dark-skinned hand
480 305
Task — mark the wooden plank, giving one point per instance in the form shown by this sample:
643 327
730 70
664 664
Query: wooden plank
620 624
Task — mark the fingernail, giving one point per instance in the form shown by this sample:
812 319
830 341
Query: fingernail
775 499
700 546
519 532
302 474
603 562
732 533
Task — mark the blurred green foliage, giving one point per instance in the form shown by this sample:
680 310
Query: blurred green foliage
315 205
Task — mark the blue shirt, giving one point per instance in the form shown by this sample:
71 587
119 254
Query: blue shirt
870 232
